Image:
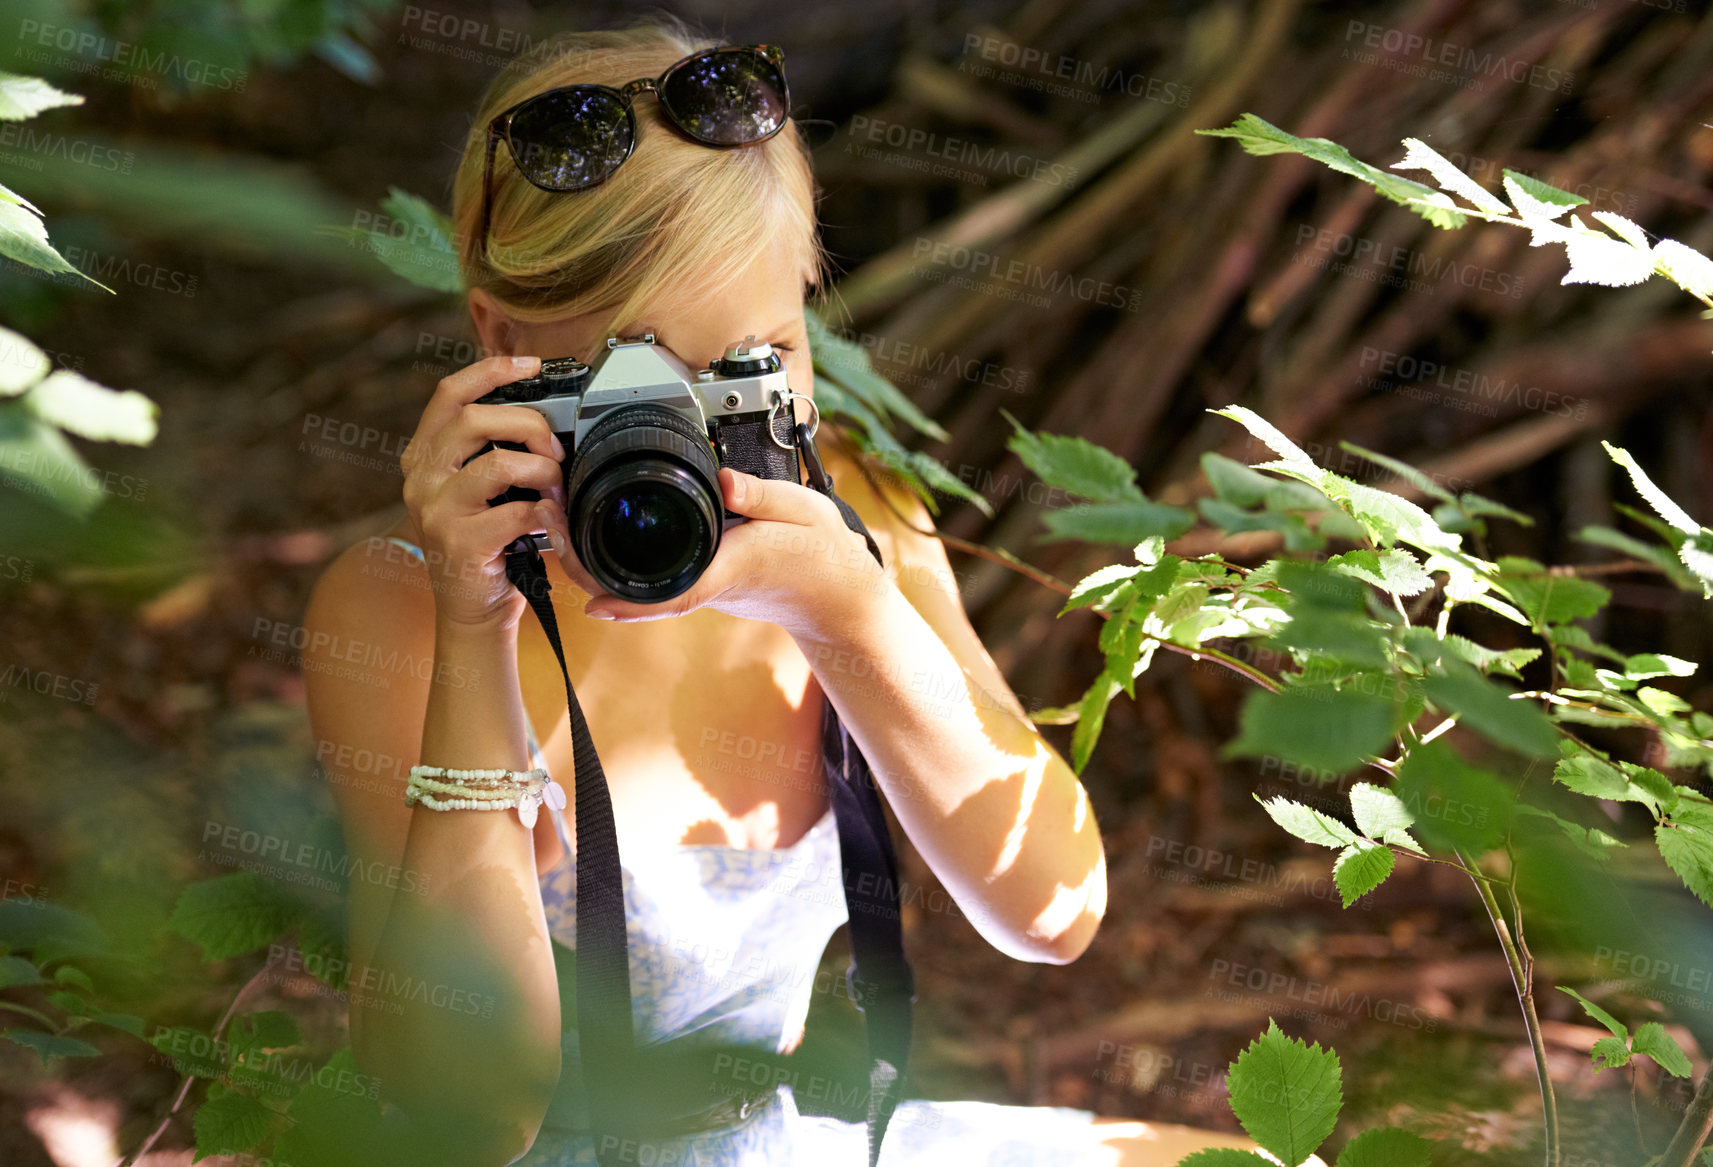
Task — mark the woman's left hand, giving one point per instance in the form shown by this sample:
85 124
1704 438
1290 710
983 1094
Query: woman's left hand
794 563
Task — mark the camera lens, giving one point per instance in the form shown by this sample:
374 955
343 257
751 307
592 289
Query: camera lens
646 510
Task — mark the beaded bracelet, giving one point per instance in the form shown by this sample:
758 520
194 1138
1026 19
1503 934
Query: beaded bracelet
484 790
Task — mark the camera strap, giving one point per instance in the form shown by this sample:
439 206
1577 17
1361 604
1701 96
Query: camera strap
879 979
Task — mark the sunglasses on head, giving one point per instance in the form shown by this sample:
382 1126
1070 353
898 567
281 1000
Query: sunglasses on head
576 136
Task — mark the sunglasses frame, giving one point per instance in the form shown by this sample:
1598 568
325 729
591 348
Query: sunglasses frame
500 127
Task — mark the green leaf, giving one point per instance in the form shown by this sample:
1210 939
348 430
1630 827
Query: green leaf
16 971
1588 774
1360 869
232 1124
1124 523
1389 519
1647 665
1697 556
1239 485
1609 1054
1661 557
1539 199
125 1022
1685 267
1225 1157
1286 1094
1381 814
1455 804
1618 1028
1075 464
1474 504
1662 505
70 974
850 363
1262 138
1685 840
1099 585
1490 709
233 914
72 1003
1591 841
1395 571
1386 1147
1652 1040
191 1051
1307 823
1264 431
25 97
1420 156
254 1032
22 363
35 456
75 403
50 1045
23 238
1546 598
1298 535
1314 725
1090 716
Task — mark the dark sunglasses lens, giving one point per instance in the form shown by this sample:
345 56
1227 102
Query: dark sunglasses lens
727 98
572 139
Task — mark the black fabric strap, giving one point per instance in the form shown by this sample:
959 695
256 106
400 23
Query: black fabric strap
879 978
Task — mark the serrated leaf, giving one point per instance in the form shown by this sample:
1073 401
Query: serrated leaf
1379 812
1657 498
233 914
25 239
1076 465
1307 823
1591 775
1456 805
1420 156
1618 1028
1652 1040
253 1032
1591 841
231 1124
1395 571
1286 1093
1386 1147
1269 436
1225 1157
1360 869
1388 518
1535 199
1262 138
1609 1054
1600 259
90 410
1098 585
1697 555
1646 665
1490 709
25 97
50 1045
1685 841
1123 523
1090 716
1685 267
22 363
422 253
1314 725
856 372
1546 598
1244 486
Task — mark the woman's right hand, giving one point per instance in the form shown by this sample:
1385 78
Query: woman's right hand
463 538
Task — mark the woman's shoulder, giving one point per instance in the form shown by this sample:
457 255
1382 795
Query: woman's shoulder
377 589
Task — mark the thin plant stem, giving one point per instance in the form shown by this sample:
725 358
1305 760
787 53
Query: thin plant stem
1520 976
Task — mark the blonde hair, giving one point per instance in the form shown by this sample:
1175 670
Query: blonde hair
676 210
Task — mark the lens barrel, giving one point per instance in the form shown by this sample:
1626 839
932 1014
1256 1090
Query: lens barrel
645 507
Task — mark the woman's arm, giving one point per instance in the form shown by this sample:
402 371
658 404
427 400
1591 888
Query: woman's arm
453 1000
994 810
992 807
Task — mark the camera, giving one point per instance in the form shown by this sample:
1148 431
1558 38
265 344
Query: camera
645 437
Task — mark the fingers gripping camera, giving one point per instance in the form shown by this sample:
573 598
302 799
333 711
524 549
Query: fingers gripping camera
645 438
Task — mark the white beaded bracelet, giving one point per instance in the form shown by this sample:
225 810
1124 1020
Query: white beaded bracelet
484 790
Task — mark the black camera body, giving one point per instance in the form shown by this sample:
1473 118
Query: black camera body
644 439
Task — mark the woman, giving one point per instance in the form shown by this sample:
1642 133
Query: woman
706 707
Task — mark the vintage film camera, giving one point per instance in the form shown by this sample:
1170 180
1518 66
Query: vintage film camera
644 438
